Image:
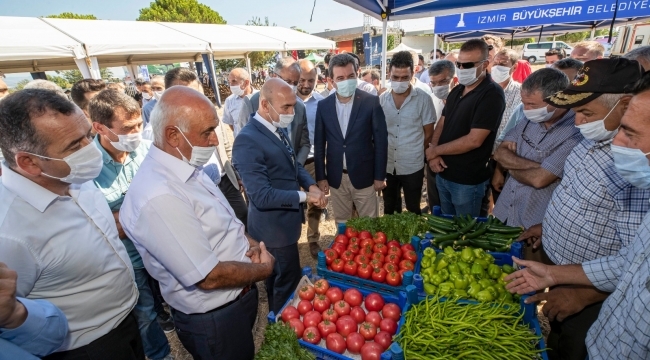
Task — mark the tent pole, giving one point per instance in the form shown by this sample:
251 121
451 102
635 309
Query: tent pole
540 34
512 40
593 32
384 49
435 40
248 64
611 27
553 37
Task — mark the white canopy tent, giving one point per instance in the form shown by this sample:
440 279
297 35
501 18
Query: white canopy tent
402 47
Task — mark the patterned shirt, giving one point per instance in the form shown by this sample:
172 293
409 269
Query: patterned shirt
523 205
232 107
622 330
513 99
594 211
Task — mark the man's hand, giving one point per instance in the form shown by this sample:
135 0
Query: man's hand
120 231
381 91
532 235
535 276
241 186
512 146
254 253
430 153
498 180
266 259
317 197
12 312
324 187
437 165
563 301
380 185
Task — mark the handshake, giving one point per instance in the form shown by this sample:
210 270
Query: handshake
317 197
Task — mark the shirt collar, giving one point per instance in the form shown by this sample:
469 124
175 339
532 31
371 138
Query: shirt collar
35 195
264 122
314 96
338 102
108 159
177 166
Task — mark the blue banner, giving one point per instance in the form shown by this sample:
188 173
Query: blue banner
372 49
562 13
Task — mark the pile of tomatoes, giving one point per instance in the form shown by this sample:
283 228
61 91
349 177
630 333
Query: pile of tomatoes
344 320
371 258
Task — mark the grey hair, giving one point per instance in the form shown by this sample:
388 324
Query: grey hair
512 55
374 74
45 85
640 54
593 47
163 114
285 63
243 74
441 66
568 63
610 100
548 81
342 60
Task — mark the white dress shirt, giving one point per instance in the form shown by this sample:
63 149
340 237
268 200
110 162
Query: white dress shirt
182 226
66 250
343 111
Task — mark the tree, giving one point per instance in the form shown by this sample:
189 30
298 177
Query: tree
260 58
390 42
20 85
229 64
63 83
188 11
69 15
72 76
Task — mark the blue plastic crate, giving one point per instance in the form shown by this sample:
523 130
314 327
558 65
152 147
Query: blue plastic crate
323 353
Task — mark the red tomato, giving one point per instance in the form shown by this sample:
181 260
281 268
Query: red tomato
312 318
410 255
342 239
368 330
407 247
393 278
380 237
374 264
290 312
393 243
366 251
335 342
307 293
339 248
361 259
367 242
392 258
371 351
395 250
391 311
406 265
350 233
350 268
378 256
380 248
353 297
321 303
354 342
364 271
365 235
321 286
354 240
390 267
311 335
346 325
297 327
358 314
326 327
330 315
379 275
374 302
388 325
330 255
354 248
383 339
342 308
347 256
334 294
337 265
374 318
305 306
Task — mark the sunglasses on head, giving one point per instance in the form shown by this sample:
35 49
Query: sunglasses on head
468 65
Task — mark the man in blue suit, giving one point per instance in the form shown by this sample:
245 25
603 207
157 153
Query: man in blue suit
272 176
350 143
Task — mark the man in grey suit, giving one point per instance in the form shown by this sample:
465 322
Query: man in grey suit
286 69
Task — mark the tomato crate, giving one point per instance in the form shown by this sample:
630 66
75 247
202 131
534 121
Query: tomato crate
320 351
529 318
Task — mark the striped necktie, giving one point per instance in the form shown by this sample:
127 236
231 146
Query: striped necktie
286 144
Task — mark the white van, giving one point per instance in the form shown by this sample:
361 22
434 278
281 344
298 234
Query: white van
534 52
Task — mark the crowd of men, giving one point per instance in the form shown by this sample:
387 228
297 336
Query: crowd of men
115 203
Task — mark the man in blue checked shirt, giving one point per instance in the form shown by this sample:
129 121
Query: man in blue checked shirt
622 329
594 211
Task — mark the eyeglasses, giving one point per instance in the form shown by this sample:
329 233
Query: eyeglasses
468 65
490 47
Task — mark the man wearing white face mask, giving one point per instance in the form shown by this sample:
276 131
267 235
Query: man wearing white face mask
158 87
534 151
117 121
147 93
58 232
272 176
240 87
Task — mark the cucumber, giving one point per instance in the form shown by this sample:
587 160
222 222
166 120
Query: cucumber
475 234
441 220
467 228
437 230
463 242
440 238
444 244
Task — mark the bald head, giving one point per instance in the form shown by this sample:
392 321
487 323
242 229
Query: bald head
276 98
308 77
239 74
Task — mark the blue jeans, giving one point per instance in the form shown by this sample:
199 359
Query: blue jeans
459 199
154 340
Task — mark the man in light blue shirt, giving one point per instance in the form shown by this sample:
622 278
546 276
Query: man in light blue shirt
28 328
118 123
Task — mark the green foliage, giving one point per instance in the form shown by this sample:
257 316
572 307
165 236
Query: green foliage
20 85
72 76
69 15
59 81
516 42
280 343
229 64
189 11
260 58
390 42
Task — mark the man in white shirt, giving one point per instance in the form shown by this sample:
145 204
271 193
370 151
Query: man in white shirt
57 231
240 87
189 237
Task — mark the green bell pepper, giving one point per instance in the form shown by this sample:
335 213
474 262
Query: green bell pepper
474 289
494 271
442 263
500 288
449 250
460 281
430 271
484 296
429 252
446 288
430 289
436 279
489 258
467 255
505 297
492 291
444 274
485 283
460 293
453 269
484 264
477 270
507 269
502 278
478 253
426 278
426 262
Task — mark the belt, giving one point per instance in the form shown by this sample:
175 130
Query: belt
309 161
345 171
243 292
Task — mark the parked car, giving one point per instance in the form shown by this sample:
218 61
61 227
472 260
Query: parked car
631 37
534 52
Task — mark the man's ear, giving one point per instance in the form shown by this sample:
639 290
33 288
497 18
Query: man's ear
172 137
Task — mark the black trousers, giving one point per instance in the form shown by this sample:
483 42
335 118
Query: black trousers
235 199
123 342
412 186
432 190
567 338
285 276
222 334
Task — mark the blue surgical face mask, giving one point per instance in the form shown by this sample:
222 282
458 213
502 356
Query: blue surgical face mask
346 88
632 165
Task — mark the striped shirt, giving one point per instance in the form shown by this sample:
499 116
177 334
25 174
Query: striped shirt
523 205
594 211
622 330
513 100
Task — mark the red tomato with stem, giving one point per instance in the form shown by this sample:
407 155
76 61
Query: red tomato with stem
395 250
388 325
358 314
339 248
311 335
321 286
384 340
406 265
393 259
378 256
321 303
391 311
330 255
374 264
326 327
393 243
380 248
371 351
379 275
364 271
380 237
354 342
347 255
312 318
366 251
393 278
330 315
367 242
374 318
354 240
368 330
407 247
353 297
361 259
350 268
410 255
346 325
342 308
337 265
335 294
305 306
342 239
307 292
335 342
354 248
365 235
390 267
290 312
297 327
374 302
350 233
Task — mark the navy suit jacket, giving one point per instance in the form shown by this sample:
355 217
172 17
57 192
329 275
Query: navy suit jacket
365 144
272 182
